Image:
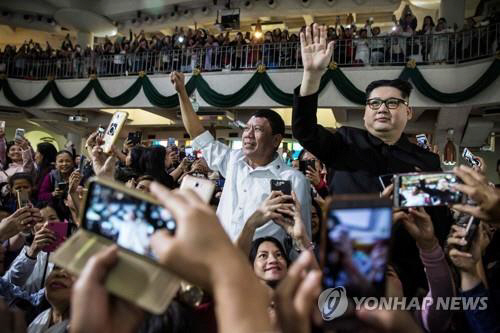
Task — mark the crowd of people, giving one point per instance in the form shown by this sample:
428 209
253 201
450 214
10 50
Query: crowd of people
254 252
187 49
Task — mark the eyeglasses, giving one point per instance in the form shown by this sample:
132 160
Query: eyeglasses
390 103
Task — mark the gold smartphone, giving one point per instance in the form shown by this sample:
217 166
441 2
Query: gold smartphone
23 199
113 130
203 187
115 214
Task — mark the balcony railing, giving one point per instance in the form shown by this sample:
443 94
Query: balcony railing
450 48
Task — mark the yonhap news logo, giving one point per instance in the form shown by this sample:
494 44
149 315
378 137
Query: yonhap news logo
332 303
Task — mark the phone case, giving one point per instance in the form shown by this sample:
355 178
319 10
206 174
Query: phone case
113 130
203 187
61 230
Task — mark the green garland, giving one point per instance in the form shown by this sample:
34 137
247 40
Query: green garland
260 78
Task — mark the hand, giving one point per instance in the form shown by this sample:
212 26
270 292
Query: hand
184 165
21 220
103 164
12 320
464 261
388 321
43 238
194 252
296 295
177 79
92 308
131 183
74 181
316 54
57 193
487 198
92 140
387 192
313 175
271 207
127 145
23 143
419 225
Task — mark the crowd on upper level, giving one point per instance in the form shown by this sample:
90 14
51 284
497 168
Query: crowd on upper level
433 42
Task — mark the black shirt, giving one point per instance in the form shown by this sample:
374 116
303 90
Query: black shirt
358 158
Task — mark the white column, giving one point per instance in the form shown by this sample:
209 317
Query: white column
453 11
85 39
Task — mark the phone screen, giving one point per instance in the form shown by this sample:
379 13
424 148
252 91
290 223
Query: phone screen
427 189
285 186
357 245
472 161
125 219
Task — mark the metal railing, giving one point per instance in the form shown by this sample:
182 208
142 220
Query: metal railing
450 48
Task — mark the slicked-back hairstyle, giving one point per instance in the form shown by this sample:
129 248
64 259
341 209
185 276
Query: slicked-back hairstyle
275 120
403 86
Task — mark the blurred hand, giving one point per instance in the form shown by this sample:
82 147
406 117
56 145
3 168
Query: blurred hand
387 192
316 55
57 193
419 225
388 321
177 79
296 296
184 165
313 175
74 181
23 143
199 242
93 309
127 145
43 238
294 226
103 164
11 321
21 220
465 261
486 197
131 183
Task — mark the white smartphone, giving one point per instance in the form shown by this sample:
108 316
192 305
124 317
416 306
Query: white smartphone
203 187
113 130
423 142
2 124
472 160
19 134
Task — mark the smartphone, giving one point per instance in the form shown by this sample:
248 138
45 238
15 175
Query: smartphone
304 165
63 186
471 160
23 199
170 142
113 130
426 189
81 165
470 232
355 243
135 137
203 187
60 229
385 180
423 142
101 130
285 186
19 134
114 214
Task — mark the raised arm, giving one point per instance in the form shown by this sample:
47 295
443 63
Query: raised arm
315 138
189 118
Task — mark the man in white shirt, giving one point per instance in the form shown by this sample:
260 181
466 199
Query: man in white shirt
248 171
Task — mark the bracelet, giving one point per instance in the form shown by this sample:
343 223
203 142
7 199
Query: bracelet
27 256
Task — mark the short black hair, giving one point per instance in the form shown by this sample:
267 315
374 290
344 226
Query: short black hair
403 86
20 175
255 247
275 120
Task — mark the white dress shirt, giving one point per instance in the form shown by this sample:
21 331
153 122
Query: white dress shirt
245 188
